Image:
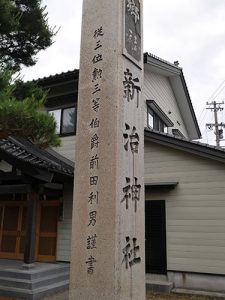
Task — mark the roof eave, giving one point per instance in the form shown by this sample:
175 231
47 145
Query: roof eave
19 151
185 105
58 78
178 83
197 148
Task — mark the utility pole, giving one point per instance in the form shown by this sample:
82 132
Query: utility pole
215 107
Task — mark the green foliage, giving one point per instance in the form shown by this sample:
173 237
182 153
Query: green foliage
24 117
22 90
9 20
5 85
24 31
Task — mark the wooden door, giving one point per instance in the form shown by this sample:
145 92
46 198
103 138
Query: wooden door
47 231
12 229
155 237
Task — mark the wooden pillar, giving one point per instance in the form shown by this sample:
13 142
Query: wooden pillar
29 251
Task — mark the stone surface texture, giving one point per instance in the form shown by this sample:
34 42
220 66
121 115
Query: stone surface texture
108 248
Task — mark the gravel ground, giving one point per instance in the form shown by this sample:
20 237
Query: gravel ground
65 296
178 297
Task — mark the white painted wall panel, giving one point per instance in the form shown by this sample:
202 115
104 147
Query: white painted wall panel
158 88
67 147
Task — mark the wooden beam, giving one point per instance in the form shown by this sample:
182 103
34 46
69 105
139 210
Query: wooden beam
30 241
51 186
161 185
15 189
51 189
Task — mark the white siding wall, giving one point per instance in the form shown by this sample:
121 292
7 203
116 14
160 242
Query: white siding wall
195 209
65 227
67 147
157 87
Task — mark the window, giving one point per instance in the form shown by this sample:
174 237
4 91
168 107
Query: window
65 120
157 119
155 122
57 115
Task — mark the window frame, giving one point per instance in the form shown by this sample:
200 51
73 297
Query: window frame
158 123
61 134
150 112
160 119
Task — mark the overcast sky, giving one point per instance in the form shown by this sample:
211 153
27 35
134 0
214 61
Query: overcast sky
190 31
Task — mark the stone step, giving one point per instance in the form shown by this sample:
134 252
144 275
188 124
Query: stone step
34 283
34 294
51 279
159 286
51 289
157 277
34 273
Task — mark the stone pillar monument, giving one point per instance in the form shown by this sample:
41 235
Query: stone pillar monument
108 235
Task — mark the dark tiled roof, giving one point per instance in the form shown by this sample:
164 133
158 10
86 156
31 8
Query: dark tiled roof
73 74
69 75
205 150
23 150
162 60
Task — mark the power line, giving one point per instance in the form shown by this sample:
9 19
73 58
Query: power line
219 92
211 97
201 113
203 117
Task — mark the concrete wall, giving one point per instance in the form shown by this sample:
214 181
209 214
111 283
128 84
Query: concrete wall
158 88
198 282
195 209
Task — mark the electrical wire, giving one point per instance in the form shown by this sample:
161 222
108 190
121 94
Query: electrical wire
218 93
206 133
219 87
201 114
203 118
